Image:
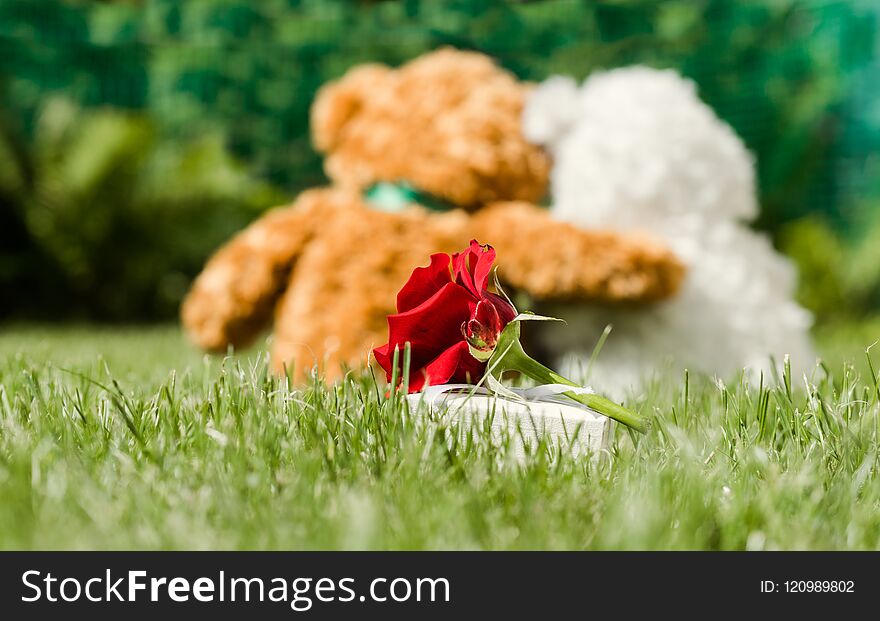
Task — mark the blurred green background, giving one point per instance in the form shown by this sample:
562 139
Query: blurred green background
137 136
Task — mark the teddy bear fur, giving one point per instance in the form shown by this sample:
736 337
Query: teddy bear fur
328 267
636 149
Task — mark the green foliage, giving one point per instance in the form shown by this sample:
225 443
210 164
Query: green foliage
818 253
796 79
112 218
863 273
839 272
119 452
779 70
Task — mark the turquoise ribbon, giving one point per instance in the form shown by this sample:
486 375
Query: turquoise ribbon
393 197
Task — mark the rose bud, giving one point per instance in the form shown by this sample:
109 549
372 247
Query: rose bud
482 330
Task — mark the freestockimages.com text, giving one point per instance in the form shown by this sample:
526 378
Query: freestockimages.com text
299 593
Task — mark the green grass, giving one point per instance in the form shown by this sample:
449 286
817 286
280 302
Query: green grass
128 438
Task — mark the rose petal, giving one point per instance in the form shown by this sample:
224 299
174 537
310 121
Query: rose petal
432 326
424 282
506 312
381 354
455 364
472 267
485 258
462 273
487 316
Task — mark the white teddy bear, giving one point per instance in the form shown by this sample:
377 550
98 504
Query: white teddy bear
636 149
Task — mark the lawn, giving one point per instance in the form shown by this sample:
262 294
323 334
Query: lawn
128 438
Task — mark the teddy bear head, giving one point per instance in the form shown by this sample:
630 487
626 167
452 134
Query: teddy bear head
447 123
636 148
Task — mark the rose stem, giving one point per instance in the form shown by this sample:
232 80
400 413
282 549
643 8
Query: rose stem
517 359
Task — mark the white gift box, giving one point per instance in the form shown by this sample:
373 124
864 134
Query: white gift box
527 416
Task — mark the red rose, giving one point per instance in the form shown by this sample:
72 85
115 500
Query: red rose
449 318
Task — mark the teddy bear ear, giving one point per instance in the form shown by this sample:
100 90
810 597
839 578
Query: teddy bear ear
337 103
551 109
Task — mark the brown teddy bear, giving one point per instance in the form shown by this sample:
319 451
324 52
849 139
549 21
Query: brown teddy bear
445 128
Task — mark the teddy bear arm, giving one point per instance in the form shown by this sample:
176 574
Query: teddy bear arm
233 298
557 261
